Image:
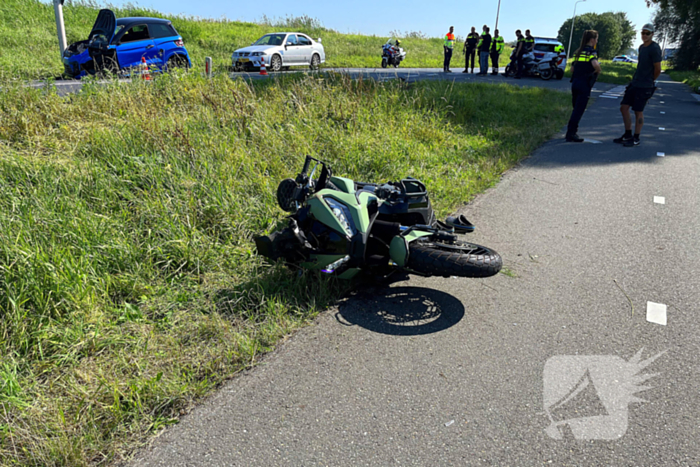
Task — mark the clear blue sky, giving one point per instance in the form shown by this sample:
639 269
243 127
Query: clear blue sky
542 17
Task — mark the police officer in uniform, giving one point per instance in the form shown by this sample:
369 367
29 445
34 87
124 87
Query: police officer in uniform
470 49
527 47
448 46
512 68
586 70
496 48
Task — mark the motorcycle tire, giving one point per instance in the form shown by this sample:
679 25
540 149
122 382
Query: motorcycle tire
460 259
384 63
507 71
559 73
546 74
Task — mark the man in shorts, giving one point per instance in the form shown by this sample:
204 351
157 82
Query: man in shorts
642 87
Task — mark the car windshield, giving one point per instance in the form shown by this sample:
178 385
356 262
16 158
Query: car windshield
270 39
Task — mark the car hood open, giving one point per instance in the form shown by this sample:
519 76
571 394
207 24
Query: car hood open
105 26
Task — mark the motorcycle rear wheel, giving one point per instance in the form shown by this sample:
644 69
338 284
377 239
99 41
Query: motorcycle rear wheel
460 259
546 74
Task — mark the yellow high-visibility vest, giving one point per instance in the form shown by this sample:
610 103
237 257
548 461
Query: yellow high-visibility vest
499 44
449 40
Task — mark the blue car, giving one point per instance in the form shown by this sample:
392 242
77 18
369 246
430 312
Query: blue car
118 45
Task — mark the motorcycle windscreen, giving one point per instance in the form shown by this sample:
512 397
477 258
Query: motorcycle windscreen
104 27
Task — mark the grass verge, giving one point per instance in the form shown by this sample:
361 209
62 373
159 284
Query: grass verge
691 78
128 283
613 73
30 46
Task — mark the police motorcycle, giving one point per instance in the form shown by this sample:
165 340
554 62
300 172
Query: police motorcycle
392 54
342 227
544 68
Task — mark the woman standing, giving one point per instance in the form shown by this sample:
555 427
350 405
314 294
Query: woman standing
586 69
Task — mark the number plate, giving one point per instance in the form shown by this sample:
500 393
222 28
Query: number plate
243 60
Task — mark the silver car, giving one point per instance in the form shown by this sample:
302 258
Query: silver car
280 50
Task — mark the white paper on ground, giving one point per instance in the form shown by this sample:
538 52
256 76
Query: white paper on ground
659 200
656 313
661 154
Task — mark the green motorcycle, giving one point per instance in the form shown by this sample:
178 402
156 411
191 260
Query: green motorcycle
343 227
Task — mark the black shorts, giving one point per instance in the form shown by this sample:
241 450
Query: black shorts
637 97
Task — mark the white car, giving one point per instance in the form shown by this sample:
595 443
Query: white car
280 50
624 58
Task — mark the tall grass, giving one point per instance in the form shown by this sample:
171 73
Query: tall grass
128 282
29 45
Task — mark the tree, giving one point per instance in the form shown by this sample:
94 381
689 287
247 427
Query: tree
679 21
616 33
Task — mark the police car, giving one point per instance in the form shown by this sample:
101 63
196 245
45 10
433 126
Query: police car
546 49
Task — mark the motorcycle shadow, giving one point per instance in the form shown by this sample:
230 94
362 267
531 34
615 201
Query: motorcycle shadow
400 311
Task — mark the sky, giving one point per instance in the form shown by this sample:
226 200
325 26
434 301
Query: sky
372 17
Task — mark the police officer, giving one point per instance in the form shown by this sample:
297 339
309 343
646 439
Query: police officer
496 48
470 49
527 47
512 68
448 46
586 69
484 47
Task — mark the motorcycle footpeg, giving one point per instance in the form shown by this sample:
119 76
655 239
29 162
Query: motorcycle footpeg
460 224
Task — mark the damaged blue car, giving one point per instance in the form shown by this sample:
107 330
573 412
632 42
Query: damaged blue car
118 46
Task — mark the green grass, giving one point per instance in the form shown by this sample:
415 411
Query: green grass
691 78
29 45
128 283
613 73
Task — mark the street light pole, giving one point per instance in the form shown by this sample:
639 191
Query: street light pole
497 13
60 27
573 22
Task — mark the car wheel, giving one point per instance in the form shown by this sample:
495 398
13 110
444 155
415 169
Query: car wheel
175 62
546 74
275 63
315 62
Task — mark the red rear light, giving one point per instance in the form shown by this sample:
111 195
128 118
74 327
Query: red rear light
179 43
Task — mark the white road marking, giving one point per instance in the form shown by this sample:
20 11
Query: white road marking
697 96
661 154
659 200
662 128
656 313
662 102
593 141
663 113
608 97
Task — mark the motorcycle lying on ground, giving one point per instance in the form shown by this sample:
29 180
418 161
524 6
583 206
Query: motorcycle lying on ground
392 54
545 69
342 227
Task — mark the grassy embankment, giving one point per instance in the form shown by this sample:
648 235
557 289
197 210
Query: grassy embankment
614 73
128 283
691 78
29 47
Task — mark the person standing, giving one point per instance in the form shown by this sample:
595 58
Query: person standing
449 45
484 47
470 49
585 72
642 87
527 47
496 49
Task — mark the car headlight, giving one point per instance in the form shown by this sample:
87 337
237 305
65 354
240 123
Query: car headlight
342 213
257 54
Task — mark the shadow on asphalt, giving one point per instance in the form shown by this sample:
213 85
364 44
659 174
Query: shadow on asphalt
400 311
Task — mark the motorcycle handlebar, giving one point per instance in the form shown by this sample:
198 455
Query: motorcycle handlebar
307 164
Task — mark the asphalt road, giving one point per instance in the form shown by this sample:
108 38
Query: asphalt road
534 366
65 87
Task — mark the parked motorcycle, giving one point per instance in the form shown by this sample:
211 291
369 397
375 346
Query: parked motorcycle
545 69
392 54
343 227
